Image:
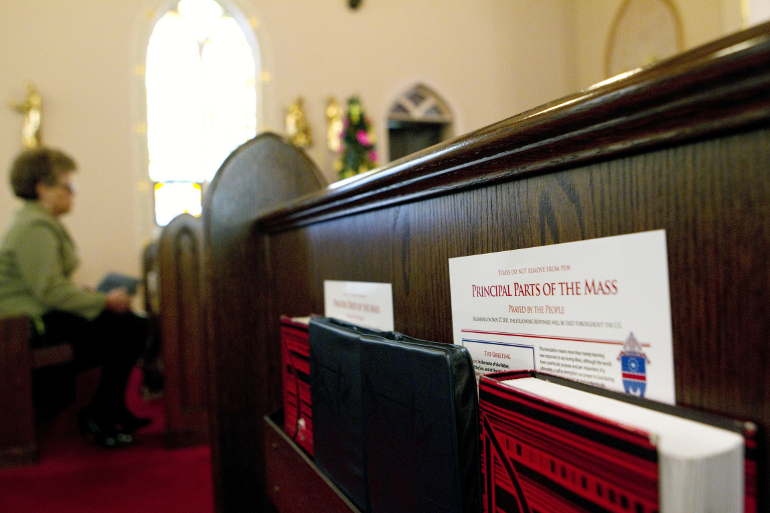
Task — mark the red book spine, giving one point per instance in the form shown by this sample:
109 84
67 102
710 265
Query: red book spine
295 359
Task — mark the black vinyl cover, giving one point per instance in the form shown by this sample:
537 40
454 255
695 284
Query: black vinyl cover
335 393
419 418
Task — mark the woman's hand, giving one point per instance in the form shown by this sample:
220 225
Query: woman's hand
118 300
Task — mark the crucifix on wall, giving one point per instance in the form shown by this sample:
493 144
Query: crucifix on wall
31 107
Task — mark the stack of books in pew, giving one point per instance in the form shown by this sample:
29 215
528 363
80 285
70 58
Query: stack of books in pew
394 419
397 425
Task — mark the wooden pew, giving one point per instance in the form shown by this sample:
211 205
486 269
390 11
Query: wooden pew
18 439
682 146
152 360
257 176
183 332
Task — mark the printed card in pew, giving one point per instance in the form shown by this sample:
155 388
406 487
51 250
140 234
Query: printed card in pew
557 446
295 359
114 280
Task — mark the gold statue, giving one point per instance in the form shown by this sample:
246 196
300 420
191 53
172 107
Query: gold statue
334 123
32 110
297 127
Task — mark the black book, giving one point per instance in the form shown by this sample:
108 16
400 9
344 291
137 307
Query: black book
421 422
335 392
416 435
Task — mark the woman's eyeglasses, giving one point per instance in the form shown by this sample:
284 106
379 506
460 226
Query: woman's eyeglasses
66 186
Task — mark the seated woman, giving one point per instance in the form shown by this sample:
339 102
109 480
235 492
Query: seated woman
37 259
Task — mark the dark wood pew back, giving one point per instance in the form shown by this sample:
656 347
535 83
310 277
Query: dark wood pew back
682 146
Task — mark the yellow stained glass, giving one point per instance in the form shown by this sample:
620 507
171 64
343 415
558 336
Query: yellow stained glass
174 198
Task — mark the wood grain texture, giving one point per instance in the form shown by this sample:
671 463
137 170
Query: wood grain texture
183 331
18 444
712 198
713 90
682 146
256 177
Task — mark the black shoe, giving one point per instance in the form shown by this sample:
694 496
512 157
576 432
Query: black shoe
104 433
129 422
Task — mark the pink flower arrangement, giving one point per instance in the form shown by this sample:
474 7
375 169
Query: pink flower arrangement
357 152
363 138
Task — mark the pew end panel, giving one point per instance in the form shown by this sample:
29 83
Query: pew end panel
257 176
152 360
18 444
183 331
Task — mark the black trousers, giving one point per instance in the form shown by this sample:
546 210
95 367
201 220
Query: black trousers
114 341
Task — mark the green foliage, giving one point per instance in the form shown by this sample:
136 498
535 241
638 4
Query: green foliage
357 149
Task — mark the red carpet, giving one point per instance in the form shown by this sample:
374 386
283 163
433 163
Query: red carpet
75 476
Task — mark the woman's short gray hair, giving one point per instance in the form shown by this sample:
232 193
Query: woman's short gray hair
38 165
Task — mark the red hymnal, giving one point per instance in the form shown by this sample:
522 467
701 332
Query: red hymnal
295 363
552 445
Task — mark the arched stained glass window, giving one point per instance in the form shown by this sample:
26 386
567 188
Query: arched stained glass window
419 118
201 101
174 103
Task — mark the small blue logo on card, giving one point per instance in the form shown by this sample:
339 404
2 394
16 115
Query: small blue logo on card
633 363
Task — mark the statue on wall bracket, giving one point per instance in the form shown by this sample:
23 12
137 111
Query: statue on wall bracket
334 125
31 107
297 126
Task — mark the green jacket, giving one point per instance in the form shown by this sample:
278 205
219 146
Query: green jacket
37 259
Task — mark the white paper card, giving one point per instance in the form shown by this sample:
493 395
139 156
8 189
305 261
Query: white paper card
596 311
362 303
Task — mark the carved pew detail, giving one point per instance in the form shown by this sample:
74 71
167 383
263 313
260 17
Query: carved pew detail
183 332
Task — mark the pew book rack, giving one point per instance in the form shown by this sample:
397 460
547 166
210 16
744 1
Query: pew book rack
682 146
294 483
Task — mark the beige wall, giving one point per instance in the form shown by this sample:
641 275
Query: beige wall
702 21
489 59
78 55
